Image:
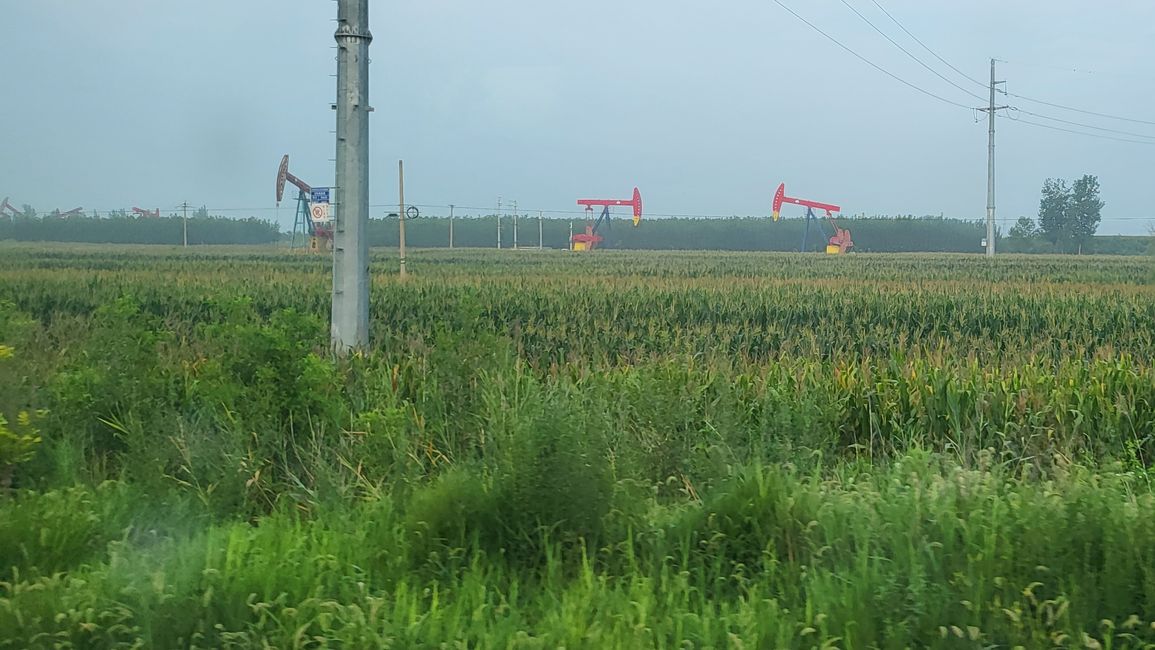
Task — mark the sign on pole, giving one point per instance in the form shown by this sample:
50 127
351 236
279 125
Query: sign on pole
319 205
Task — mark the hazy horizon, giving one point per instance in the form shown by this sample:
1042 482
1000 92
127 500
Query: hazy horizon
706 108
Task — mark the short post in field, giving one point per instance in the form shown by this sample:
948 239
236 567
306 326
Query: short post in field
184 210
401 214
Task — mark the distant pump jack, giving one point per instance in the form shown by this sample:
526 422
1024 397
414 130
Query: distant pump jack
590 239
318 225
838 243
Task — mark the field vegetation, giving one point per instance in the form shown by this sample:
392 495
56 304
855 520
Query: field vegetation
551 449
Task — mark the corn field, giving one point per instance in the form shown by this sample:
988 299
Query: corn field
547 449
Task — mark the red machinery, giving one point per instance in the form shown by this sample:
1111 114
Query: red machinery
140 212
590 238
8 210
319 229
838 243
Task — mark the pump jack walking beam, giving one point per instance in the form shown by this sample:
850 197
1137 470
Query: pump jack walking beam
635 203
283 175
780 198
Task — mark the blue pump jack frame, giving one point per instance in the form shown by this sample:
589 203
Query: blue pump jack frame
605 216
806 231
301 220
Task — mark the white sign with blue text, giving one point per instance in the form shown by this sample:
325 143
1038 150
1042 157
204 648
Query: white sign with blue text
319 205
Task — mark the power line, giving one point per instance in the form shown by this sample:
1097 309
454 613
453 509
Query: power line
869 62
907 52
1083 133
1009 94
926 47
1079 110
1072 108
1086 126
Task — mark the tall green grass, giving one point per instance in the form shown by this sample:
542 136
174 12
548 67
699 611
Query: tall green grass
579 451
919 554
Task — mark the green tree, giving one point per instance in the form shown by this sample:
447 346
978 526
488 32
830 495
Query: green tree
1053 211
1069 216
1024 228
1084 210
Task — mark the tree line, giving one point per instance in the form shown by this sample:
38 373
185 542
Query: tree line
870 234
732 233
1068 218
121 228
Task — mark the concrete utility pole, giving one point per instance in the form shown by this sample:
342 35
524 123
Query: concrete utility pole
539 217
184 210
990 110
515 225
499 223
451 225
350 325
401 215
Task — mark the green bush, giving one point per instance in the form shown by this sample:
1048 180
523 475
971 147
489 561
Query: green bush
57 530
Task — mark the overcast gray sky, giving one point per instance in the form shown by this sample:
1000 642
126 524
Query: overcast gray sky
706 106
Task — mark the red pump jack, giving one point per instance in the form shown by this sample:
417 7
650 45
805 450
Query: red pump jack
8 210
320 230
590 238
837 244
